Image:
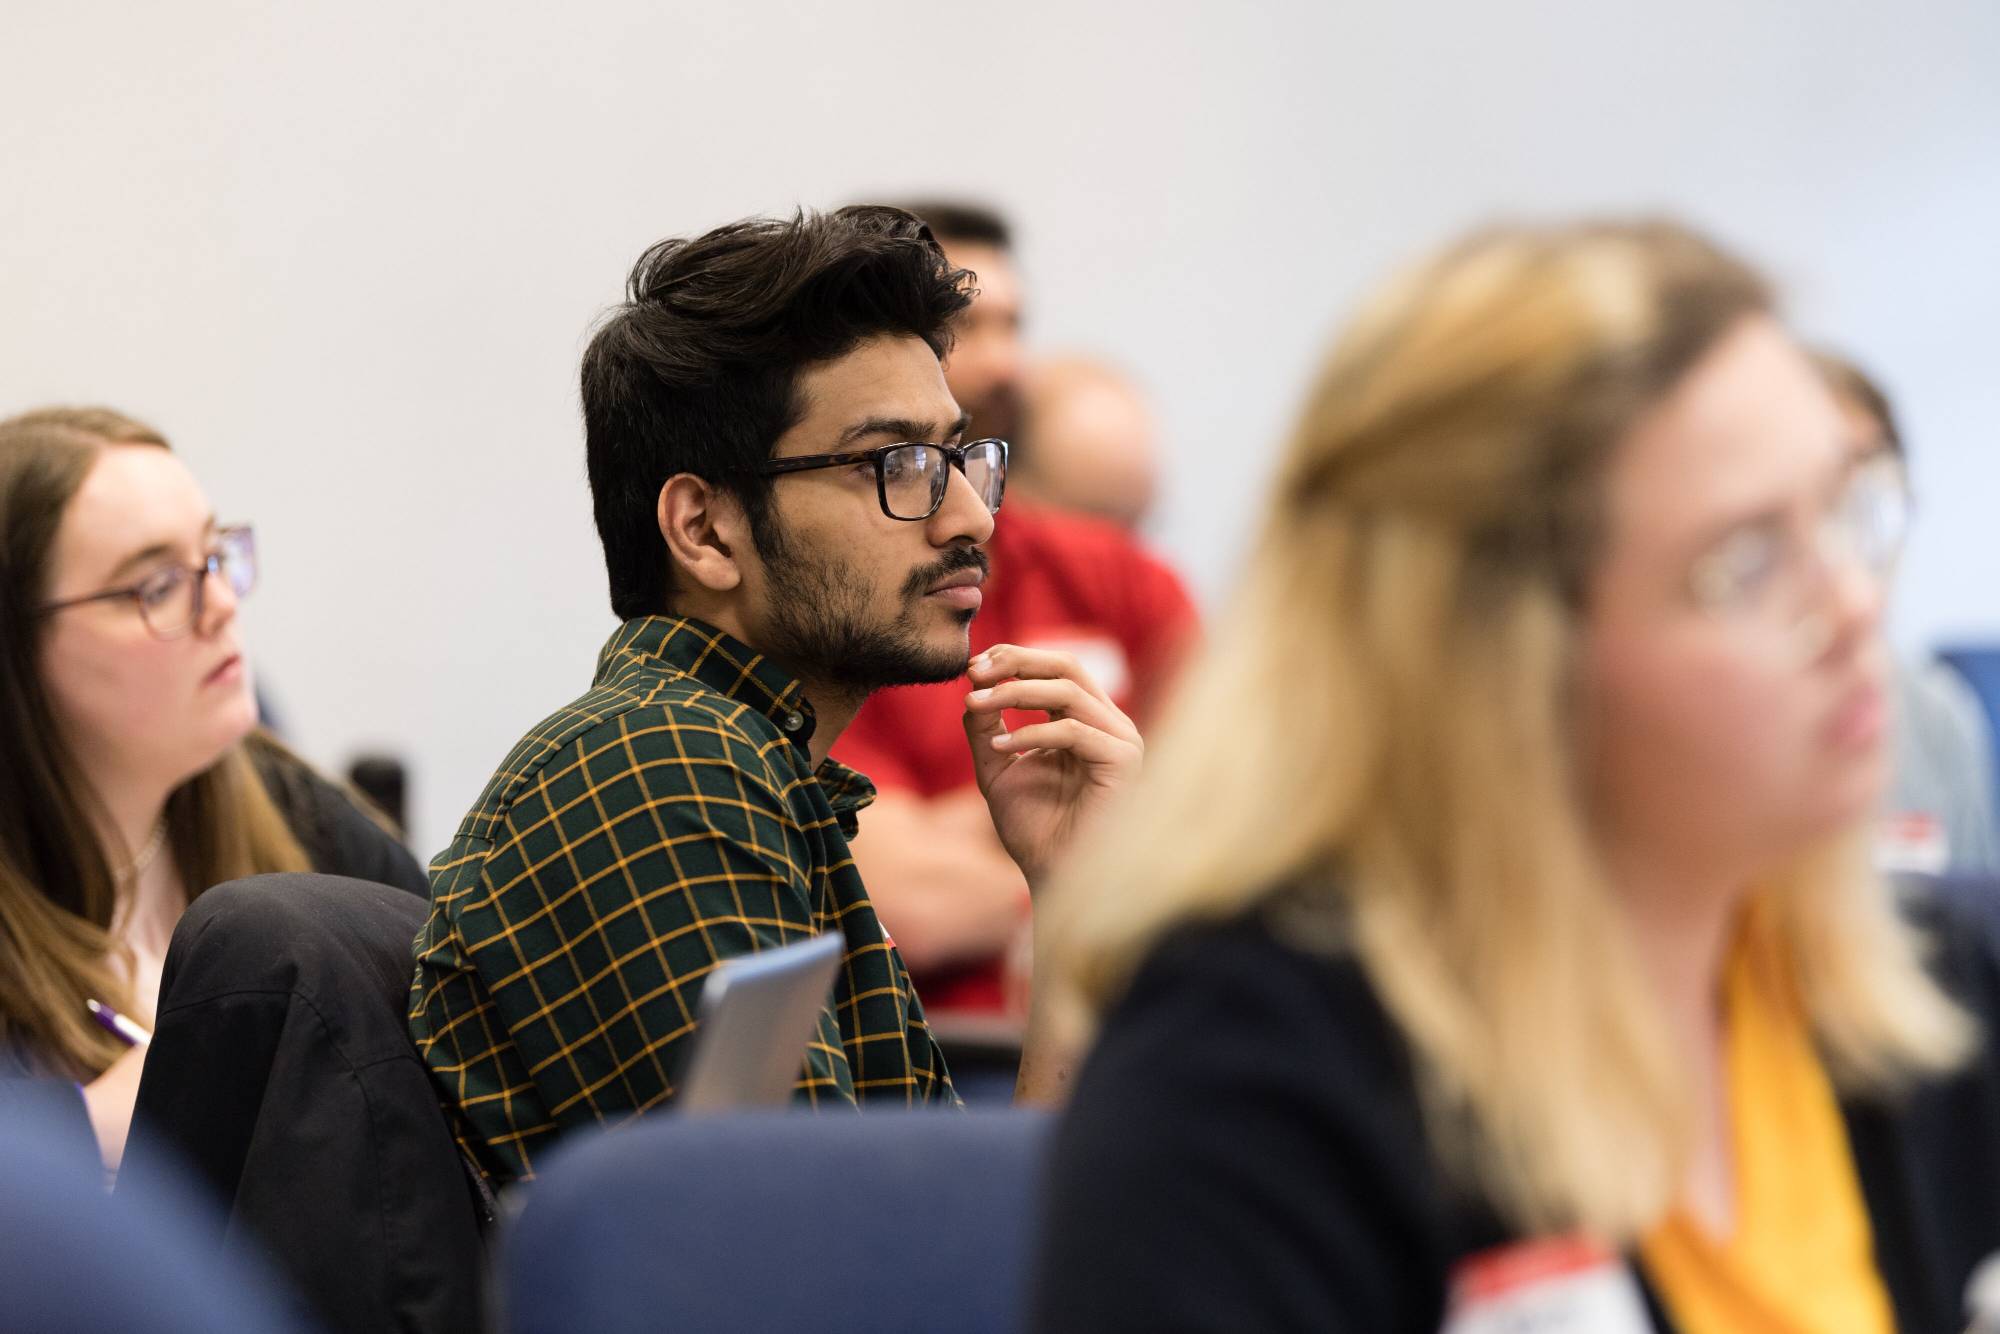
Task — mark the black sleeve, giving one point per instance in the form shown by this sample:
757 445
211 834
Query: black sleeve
339 837
1243 1154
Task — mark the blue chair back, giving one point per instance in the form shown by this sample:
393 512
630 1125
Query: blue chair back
1979 664
777 1221
74 1259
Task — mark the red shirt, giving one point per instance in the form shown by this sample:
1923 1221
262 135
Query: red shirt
1059 580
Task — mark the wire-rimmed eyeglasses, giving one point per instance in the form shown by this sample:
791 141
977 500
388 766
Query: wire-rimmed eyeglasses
170 599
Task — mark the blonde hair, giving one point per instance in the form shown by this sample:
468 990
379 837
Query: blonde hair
57 887
1377 751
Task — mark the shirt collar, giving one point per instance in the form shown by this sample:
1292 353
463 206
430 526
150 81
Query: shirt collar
718 660
730 667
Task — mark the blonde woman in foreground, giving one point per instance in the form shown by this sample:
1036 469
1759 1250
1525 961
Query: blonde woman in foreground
1513 960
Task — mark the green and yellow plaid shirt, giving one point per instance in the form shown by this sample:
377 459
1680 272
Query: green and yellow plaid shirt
668 819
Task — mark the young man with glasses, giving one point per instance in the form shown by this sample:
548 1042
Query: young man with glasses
790 521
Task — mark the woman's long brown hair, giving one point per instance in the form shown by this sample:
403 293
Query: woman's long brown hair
57 886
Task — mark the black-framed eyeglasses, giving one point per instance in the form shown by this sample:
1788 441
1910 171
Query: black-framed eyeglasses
170 600
911 478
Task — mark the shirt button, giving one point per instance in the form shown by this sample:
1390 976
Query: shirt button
794 721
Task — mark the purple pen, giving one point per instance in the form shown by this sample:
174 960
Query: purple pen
118 1025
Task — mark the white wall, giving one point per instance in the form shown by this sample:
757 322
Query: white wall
347 254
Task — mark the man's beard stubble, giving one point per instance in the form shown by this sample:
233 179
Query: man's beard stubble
818 623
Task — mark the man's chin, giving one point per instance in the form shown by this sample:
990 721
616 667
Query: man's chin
945 658
933 669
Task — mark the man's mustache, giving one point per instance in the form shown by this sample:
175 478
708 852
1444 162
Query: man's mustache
958 558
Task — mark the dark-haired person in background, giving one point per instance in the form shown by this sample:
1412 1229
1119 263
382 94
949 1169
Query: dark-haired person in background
131 779
988 362
945 885
1940 815
791 518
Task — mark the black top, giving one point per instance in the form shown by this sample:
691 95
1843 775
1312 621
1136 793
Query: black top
1245 1153
338 835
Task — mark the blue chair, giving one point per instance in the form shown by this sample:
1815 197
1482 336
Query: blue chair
777 1221
1979 664
75 1260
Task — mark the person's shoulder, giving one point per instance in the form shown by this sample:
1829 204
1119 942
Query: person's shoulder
298 787
622 727
681 719
341 830
1243 1001
1250 993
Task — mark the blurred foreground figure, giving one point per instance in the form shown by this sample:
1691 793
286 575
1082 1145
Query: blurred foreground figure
1493 940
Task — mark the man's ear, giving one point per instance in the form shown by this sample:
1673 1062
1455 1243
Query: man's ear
705 529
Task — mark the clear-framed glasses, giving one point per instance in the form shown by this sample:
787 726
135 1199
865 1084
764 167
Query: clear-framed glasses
1769 572
171 599
911 478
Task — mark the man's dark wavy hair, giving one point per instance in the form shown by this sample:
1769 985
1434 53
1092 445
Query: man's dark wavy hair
698 370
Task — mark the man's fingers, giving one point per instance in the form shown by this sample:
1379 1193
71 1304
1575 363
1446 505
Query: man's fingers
987 761
1062 698
1002 661
1090 744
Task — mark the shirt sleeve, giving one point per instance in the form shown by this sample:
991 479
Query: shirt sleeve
647 852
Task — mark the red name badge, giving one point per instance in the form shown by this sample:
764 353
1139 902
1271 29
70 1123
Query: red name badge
1554 1285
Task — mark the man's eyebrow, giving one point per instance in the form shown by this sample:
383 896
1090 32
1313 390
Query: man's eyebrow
154 552
902 429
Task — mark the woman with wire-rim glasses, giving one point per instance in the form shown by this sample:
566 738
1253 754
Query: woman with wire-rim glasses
134 774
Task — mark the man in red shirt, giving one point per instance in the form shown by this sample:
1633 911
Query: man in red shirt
943 886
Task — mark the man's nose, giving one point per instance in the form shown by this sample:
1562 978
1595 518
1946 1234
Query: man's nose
963 516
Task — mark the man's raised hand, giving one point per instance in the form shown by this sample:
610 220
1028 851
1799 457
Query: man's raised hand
1044 780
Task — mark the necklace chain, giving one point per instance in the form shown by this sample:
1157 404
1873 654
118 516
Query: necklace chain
154 842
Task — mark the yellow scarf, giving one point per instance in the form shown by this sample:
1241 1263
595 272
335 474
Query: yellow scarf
1802 1257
